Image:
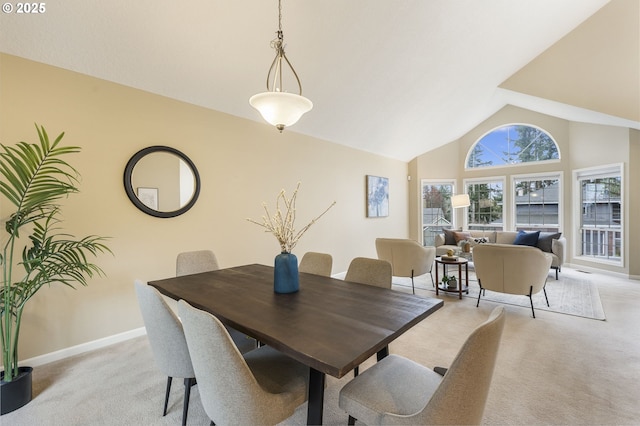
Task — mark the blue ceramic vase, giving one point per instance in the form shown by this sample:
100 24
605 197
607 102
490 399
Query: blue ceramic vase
285 273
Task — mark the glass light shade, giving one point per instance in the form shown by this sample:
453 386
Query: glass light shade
279 108
460 200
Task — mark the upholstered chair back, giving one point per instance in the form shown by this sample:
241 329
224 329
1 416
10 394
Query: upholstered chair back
408 258
513 269
195 262
462 395
373 272
164 331
316 263
229 390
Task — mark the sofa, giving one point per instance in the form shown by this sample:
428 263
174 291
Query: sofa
549 242
513 269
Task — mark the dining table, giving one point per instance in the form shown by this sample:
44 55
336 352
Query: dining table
329 324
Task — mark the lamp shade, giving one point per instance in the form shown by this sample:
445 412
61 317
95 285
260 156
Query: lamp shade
279 108
460 200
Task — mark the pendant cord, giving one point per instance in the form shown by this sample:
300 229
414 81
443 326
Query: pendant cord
276 65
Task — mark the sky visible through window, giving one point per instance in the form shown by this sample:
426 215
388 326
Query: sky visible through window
512 144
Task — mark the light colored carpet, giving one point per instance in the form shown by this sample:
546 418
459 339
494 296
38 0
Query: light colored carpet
574 293
552 370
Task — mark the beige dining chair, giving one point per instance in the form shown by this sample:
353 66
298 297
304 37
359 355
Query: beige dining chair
167 341
198 261
368 271
408 258
374 272
398 391
316 263
262 387
195 262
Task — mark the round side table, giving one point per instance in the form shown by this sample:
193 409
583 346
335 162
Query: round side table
457 261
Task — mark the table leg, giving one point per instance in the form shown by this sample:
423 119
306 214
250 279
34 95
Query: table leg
460 280
316 397
382 353
466 273
437 282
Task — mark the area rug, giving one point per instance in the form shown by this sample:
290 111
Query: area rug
572 294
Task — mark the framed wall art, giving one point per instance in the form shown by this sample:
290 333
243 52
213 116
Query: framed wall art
149 197
377 196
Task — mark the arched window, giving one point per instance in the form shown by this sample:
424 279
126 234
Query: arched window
512 144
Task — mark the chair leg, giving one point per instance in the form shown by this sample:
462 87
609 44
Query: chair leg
413 287
187 393
433 283
351 421
440 370
166 396
479 294
531 301
544 289
356 371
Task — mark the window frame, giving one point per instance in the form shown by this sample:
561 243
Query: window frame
513 220
471 149
435 182
579 175
505 197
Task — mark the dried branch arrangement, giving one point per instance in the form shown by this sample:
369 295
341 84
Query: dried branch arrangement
281 225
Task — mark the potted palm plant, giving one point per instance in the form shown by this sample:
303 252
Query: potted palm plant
34 250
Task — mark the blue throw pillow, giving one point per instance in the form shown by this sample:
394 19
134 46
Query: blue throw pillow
527 238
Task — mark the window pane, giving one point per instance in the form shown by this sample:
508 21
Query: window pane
513 144
436 210
485 211
537 204
601 225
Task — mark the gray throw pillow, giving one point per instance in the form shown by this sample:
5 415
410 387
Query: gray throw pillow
449 237
545 240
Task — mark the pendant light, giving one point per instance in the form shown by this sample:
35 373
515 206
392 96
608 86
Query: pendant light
276 106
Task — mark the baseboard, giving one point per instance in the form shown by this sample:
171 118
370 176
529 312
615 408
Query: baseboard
84 347
600 271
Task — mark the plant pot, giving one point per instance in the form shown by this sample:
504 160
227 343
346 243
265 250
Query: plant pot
16 393
285 274
452 284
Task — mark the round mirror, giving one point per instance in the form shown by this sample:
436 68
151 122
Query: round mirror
161 181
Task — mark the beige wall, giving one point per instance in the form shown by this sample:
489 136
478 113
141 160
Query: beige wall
581 146
596 66
602 145
241 164
440 164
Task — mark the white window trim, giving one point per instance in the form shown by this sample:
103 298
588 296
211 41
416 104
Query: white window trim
506 197
536 176
595 172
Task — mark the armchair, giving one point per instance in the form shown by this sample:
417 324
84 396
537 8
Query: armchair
511 269
408 258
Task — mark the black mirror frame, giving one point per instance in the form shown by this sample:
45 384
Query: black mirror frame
128 187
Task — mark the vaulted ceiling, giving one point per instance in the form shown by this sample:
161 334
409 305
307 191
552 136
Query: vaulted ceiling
393 77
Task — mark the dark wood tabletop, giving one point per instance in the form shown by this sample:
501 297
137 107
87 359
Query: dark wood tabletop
330 325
